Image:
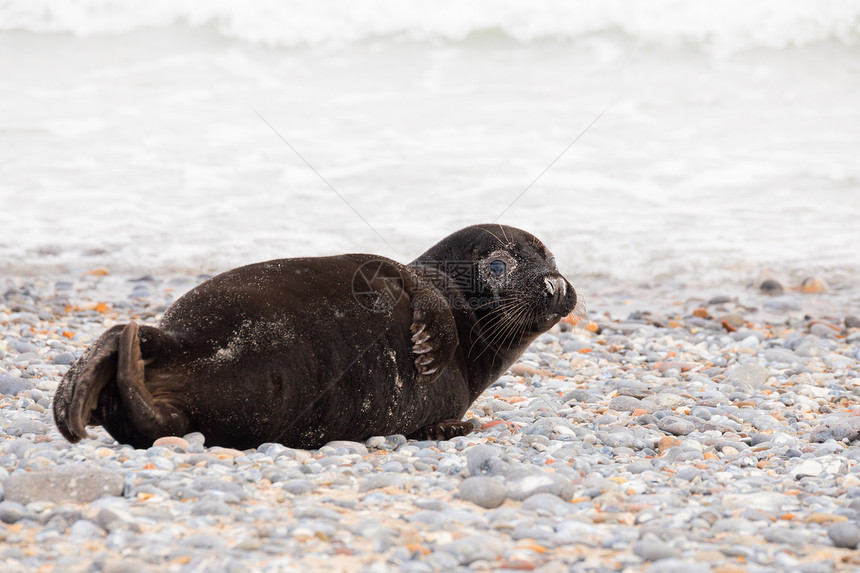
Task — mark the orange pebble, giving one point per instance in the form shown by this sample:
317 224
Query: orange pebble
171 441
701 313
813 285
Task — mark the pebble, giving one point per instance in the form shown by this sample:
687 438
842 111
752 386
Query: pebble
176 441
845 534
80 483
524 483
807 468
654 550
11 385
484 491
836 427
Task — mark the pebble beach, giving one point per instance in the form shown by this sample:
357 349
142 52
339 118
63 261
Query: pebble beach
692 168
668 432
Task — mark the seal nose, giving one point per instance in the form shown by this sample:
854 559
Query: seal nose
556 287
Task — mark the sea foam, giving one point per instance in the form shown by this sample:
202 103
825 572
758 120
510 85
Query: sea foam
719 28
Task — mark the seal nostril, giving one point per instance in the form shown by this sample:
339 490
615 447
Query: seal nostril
550 286
562 286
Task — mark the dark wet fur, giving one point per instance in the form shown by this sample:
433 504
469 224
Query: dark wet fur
282 351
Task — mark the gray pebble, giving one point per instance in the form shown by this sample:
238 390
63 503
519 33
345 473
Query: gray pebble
80 483
298 486
475 548
211 507
12 511
11 385
548 503
83 529
524 483
675 425
113 517
20 427
213 484
484 491
654 550
484 460
845 534
378 481
836 427
64 358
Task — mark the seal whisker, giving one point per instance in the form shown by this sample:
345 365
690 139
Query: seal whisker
501 330
512 331
494 236
490 330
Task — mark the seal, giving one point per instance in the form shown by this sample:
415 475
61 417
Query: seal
308 350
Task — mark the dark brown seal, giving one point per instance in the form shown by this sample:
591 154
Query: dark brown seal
309 350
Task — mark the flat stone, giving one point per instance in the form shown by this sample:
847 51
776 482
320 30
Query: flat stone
110 518
11 385
470 549
548 503
751 374
836 427
525 483
84 530
81 483
676 426
354 447
625 404
211 507
654 550
176 441
378 481
207 483
298 486
64 358
20 427
484 491
806 468
782 304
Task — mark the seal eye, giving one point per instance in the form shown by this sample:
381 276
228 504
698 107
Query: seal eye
498 267
552 263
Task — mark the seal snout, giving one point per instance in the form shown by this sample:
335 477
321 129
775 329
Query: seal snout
562 296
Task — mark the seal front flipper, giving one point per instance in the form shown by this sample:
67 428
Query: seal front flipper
444 430
433 329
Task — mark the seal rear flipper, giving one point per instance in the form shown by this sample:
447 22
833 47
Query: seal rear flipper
78 393
150 418
434 331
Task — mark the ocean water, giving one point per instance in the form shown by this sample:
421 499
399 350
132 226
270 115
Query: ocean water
131 136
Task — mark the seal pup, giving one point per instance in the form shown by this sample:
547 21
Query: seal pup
308 350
